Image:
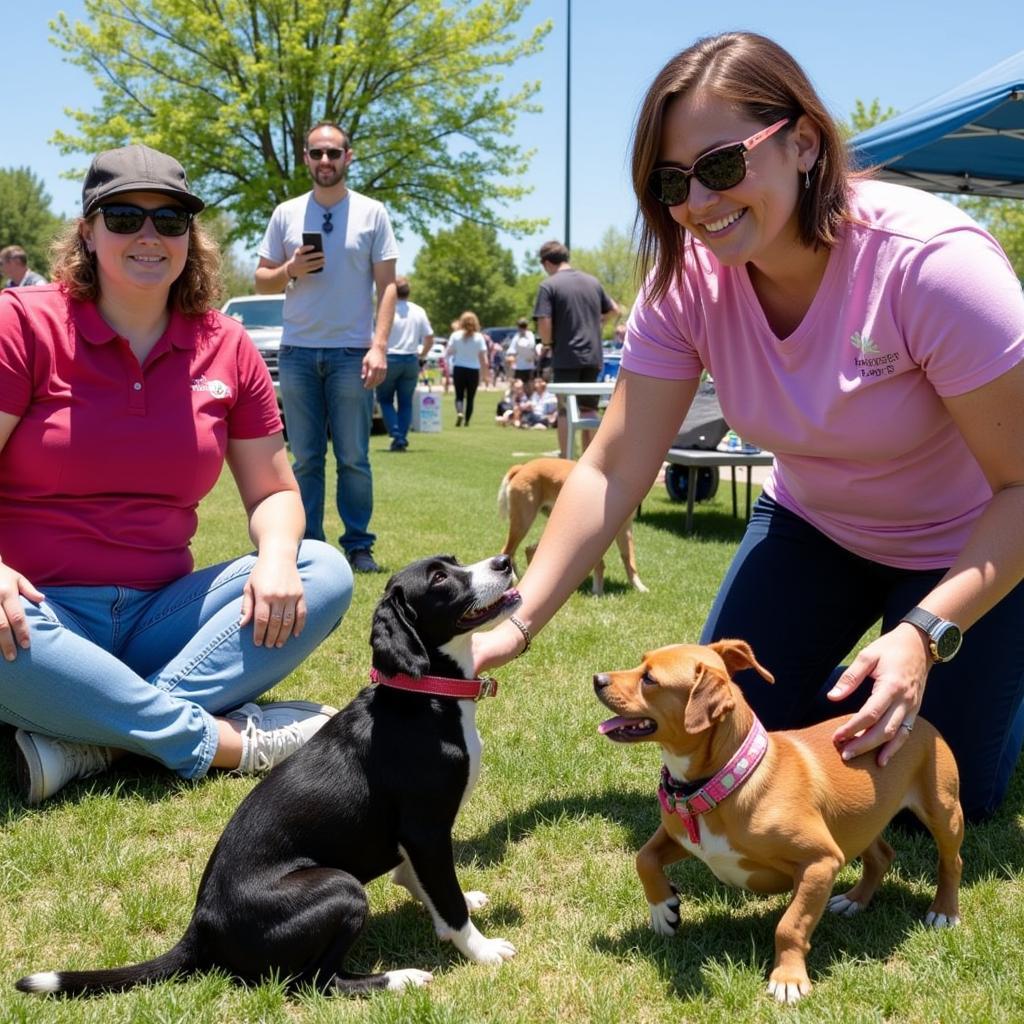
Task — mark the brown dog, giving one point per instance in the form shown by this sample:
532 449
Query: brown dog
791 811
532 487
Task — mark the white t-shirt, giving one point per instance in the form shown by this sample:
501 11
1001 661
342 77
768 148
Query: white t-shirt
333 309
523 348
408 330
464 350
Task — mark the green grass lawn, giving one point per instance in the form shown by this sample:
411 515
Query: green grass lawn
106 872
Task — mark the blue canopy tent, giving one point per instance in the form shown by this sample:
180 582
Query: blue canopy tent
969 139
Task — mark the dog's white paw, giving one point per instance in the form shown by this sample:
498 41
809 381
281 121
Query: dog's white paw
409 978
934 920
638 586
788 992
476 900
474 946
842 905
665 916
492 951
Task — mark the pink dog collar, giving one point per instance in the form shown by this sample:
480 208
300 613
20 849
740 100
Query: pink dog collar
439 686
711 793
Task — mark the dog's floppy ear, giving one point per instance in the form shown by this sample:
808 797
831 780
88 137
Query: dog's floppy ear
710 698
396 646
738 655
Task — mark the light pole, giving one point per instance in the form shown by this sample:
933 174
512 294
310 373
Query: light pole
568 110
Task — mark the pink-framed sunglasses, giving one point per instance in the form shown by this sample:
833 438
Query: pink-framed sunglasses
717 169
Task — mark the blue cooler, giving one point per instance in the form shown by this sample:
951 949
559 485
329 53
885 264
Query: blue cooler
610 369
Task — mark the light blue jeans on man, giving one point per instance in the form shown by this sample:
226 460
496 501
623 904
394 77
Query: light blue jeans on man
399 385
321 386
147 670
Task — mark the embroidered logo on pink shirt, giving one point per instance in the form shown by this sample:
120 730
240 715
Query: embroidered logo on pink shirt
217 388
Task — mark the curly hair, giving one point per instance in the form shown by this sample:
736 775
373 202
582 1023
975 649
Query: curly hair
763 80
194 293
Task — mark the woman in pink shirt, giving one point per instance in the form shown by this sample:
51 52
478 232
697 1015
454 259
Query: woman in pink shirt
872 337
122 394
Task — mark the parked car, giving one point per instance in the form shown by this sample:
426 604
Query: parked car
263 318
435 355
500 334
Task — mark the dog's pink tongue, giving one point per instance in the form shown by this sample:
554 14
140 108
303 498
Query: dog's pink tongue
611 725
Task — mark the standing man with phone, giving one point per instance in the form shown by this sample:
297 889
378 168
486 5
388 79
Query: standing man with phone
332 353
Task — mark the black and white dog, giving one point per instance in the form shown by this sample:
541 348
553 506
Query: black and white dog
378 788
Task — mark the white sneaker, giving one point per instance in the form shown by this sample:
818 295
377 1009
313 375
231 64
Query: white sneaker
273 731
45 765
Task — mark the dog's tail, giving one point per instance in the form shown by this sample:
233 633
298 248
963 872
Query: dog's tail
503 489
180 960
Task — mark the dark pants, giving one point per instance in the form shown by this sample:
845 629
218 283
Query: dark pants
578 375
802 602
466 382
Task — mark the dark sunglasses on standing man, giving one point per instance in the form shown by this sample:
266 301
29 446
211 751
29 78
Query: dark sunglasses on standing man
332 153
717 169
127 219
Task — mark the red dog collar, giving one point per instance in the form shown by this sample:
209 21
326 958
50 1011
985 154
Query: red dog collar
439 686
725 781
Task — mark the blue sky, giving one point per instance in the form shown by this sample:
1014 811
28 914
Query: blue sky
900 51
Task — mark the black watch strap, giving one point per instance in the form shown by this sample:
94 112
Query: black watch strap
944 637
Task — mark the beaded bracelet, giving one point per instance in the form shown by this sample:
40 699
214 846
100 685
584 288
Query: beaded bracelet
527 636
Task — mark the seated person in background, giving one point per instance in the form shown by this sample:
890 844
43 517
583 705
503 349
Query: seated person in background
543 407
511 404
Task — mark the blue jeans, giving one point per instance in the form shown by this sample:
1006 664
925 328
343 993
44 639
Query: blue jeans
321 386
400 384
803 602
147 670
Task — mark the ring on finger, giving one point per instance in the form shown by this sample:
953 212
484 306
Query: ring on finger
909 726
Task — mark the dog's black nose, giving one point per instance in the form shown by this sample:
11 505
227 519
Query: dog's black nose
501 563
601 680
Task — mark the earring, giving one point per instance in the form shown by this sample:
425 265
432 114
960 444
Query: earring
807 178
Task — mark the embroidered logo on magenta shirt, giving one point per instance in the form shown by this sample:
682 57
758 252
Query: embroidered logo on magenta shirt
216 388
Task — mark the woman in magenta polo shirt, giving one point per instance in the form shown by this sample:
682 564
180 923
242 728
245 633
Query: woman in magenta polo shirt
122 393
872 338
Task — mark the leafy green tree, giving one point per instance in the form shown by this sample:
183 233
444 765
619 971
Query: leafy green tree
232 86
25 215
1004 218
866 116
613 263
236 269
465 268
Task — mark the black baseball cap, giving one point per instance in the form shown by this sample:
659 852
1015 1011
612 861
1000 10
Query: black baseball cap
135 169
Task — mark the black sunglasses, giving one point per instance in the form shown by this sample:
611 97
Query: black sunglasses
717 169
127 219
332 153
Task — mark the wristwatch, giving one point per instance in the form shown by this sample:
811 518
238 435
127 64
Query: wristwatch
944 637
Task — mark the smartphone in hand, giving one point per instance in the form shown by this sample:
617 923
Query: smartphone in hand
315 239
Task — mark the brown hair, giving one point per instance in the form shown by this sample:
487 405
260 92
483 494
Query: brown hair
14 252
469 322
402 287
195 292
554 252
346 142
764 81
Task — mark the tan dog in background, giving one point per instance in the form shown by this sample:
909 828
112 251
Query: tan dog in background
532 487
794 819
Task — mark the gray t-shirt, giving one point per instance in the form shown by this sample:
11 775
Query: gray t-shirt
333 309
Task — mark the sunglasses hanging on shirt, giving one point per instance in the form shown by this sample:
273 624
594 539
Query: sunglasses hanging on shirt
327 227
